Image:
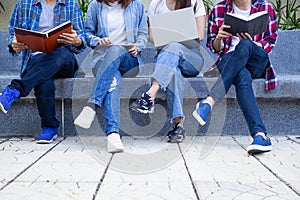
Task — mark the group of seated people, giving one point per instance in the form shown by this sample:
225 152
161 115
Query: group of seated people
108 23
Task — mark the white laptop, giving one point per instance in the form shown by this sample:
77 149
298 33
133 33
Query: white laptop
176 26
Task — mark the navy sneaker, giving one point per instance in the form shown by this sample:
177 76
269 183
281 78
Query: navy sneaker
7 97
47 136
201 113
177 134
143 105
259 145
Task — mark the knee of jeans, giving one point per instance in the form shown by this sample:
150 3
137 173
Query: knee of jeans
45 89
244 43
174 47
115 50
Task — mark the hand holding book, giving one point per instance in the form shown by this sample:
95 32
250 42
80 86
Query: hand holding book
47 41
70 38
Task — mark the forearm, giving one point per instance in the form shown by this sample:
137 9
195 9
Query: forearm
218 44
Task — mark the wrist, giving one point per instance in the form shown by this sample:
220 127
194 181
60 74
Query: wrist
78 43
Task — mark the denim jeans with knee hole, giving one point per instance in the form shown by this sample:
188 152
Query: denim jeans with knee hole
248 61
117 62
173 63
42 69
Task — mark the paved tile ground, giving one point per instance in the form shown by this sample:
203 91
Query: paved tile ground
150 169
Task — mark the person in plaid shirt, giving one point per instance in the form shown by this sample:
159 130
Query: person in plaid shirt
40 69
241 59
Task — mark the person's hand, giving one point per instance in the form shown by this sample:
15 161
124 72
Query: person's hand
70 38
223 34
133 51
104 42
18 46
218 44
244 36
248 36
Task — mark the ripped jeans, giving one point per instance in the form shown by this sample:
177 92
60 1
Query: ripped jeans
107 86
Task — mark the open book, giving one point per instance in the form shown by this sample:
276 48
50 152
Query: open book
255 24
43 41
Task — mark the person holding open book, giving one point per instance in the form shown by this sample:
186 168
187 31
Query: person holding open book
172 63
117 31
40 69
242 57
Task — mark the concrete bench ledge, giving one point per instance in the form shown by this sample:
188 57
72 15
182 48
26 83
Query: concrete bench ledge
279 108
198 87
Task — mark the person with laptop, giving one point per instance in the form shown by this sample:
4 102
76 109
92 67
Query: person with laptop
111 26
241 59
173 62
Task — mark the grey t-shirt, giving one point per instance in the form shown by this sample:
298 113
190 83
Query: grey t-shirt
47 19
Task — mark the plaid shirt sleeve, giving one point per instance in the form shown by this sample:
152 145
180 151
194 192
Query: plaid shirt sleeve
215 21
269 37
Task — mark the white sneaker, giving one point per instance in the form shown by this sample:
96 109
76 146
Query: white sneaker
85 118
114 143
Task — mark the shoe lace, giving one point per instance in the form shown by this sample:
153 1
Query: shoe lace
10 96
144 100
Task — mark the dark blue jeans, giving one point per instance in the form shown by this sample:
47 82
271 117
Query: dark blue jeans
41 71
239 67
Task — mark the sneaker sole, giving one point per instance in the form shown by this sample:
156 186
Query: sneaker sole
46 141
2 108
198 118
143 111
87 126
176 141
82 123
255 149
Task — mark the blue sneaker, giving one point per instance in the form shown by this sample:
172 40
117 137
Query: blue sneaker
7 97
201 113
47 136
259 145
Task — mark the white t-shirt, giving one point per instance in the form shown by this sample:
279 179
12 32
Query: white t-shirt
160 6
116 28
116 23
235 39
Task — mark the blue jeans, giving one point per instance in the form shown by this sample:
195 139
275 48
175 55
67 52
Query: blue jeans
173 63
117 62
239 67
41 71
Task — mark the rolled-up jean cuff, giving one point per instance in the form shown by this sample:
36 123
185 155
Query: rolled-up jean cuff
164 76
113 130
98 103
182 116
216 98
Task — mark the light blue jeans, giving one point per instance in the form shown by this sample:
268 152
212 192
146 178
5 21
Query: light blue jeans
173 63
117 62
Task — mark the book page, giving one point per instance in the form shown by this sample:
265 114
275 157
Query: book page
250 17
255 15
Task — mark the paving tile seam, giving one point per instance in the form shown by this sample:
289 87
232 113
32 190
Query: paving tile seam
270 170
291 139
6 139
102 178
29 166
189 173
